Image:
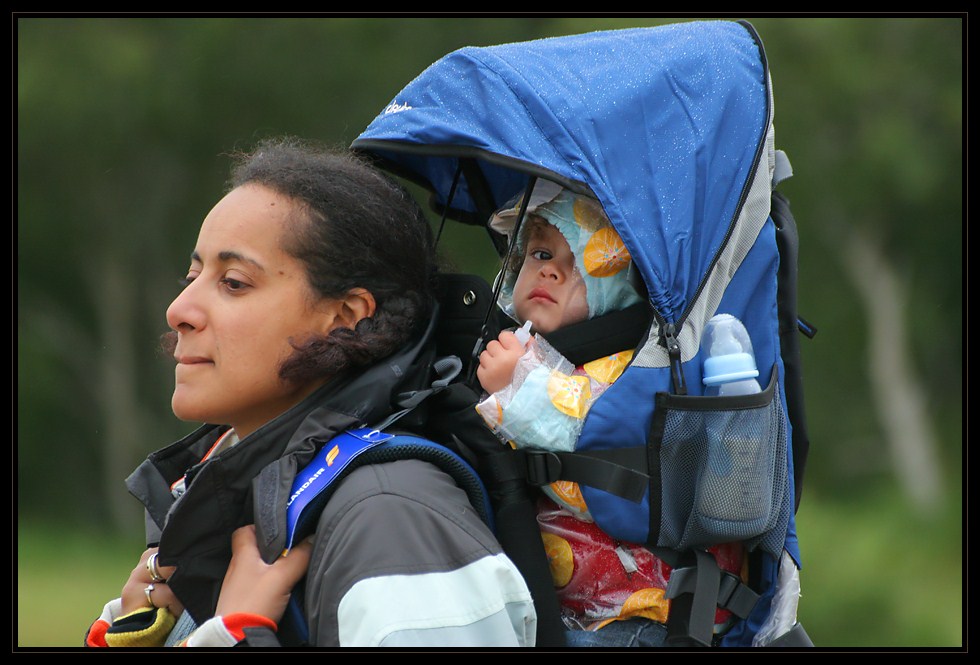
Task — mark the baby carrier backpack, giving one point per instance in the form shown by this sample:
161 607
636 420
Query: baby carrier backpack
670 129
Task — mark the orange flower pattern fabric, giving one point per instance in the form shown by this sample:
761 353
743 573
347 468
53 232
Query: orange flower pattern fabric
569 394
568 495
605 253
548 398
608 369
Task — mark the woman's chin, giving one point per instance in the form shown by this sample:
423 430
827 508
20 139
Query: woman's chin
187 409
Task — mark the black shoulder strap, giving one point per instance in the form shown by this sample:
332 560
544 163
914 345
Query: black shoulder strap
602 335
454 418
790 325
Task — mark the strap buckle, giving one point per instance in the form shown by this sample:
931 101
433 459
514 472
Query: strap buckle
735 596
543 467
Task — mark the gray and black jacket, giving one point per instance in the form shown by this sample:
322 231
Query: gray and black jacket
400 557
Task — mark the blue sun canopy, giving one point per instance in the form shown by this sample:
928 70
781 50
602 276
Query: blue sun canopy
665 126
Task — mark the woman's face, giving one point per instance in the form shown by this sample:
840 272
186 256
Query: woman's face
245 300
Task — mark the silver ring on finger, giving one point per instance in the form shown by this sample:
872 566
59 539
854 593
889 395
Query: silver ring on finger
146 592
151 566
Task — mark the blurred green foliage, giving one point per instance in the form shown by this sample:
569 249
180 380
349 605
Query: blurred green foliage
123 126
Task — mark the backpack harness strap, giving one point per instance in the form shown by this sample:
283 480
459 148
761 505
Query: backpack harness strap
315 484
616 470
446 368
696 590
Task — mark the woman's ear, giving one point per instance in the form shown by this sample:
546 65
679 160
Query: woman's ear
345 312
356 305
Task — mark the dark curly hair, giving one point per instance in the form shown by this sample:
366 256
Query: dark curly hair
355 228
533 224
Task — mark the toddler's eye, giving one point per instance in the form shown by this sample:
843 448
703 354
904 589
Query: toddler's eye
541 255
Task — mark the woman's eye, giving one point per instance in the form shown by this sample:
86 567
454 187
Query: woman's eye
185 281
233 284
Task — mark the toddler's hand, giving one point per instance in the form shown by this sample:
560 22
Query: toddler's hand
498 361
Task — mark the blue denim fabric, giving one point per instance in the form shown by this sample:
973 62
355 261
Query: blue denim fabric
627 633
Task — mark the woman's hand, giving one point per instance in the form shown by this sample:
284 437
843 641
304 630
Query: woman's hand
137 592
255 587
497 362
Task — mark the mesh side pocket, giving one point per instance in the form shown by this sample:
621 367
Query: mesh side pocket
723 470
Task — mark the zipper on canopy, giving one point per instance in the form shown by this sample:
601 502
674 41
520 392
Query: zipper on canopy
669 340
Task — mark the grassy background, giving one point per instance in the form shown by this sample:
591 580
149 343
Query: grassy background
874 576
64 576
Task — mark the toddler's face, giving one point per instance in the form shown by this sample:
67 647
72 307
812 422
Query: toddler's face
549 290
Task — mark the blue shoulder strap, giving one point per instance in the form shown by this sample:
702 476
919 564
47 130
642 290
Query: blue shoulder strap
315 483
310 488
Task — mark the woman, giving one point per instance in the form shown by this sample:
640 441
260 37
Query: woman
305 314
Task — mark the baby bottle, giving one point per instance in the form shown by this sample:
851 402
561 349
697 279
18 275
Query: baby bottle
730 367
732 490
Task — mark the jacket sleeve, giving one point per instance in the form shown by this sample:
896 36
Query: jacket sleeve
95 636
238 629
401 559
145 627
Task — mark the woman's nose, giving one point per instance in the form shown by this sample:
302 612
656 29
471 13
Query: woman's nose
185 312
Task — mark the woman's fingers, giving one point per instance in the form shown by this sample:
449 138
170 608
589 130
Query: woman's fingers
147 586
253 586
157 572
160 595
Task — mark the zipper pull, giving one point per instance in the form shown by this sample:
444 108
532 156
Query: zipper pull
674 353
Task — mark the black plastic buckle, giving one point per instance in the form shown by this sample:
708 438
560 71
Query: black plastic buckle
543 467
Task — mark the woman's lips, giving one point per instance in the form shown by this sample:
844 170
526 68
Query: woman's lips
191 360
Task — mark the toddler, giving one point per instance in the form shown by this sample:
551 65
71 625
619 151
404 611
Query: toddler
570 265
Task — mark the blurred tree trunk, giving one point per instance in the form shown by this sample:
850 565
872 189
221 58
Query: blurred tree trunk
116 370
896 391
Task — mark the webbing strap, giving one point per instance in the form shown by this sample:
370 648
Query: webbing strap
695 592
447 369
782 168
618 471
735 596
795 638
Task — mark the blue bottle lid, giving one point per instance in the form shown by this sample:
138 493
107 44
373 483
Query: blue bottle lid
729 367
